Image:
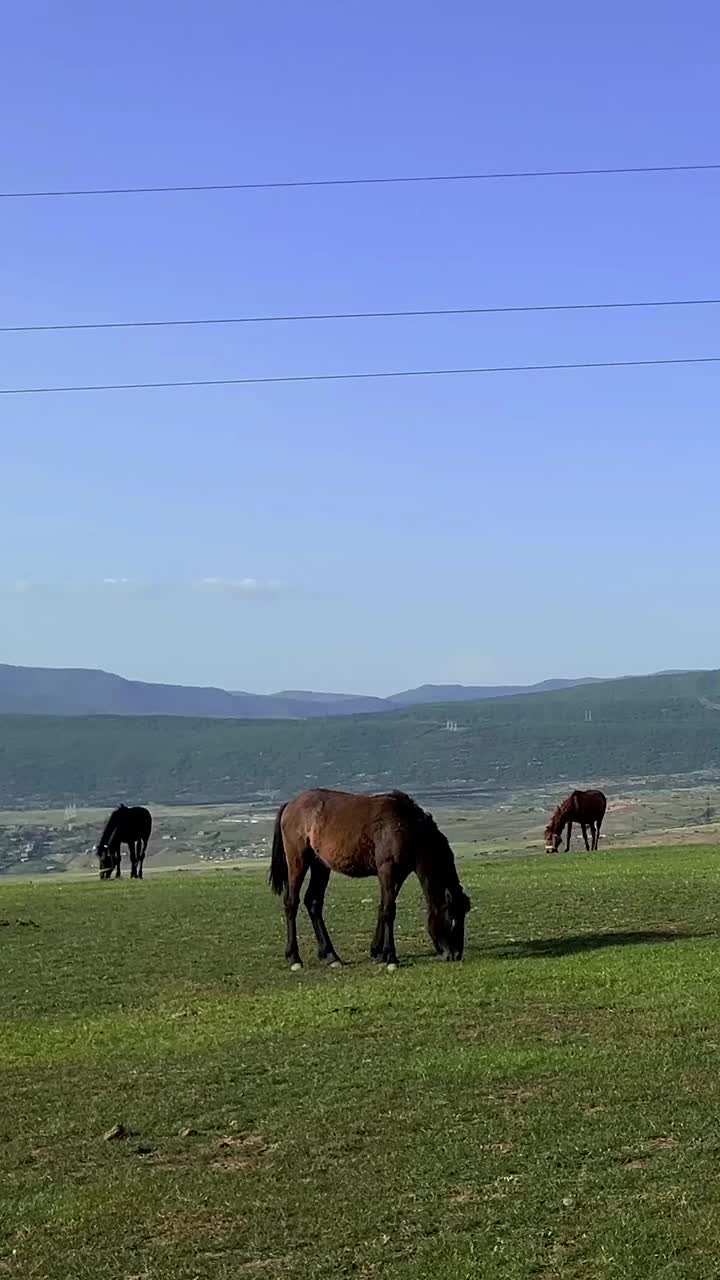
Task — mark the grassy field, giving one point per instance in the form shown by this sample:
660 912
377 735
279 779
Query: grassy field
547 1109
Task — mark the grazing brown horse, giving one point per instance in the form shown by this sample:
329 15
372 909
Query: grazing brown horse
587 808
124 826
386 836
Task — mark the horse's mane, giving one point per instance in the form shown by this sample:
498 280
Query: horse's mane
109 827
562 813
410 808
443 857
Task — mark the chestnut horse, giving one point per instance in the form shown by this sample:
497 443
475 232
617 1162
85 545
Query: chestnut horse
387 836
124 826
587 808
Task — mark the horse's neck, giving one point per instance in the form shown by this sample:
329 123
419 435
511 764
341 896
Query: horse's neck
111 827
435 876
562 816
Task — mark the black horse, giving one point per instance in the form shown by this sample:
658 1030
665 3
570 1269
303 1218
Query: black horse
124 826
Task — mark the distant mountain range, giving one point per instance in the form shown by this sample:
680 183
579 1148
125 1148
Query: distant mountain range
80 692
650 726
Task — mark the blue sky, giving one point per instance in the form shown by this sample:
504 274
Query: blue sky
361 536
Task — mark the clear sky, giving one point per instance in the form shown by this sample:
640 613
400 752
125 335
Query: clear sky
359 536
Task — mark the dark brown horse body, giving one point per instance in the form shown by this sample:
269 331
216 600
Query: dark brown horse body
587 808
387 836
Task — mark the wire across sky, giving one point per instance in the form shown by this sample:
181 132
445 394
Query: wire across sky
370 181
363 376
305 317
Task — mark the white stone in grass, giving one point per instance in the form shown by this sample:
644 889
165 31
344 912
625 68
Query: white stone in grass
295 968
392 968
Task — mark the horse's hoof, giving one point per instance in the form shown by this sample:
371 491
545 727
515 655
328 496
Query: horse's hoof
391 968
296 967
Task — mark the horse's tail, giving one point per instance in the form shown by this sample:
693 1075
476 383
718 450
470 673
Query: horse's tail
278 876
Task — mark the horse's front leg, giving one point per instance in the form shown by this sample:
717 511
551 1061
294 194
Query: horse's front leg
388 911
376 945
583 827
567 842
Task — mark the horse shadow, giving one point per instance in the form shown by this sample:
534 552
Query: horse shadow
576 944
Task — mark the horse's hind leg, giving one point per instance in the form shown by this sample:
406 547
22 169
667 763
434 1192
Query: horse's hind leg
376 945
141 858
297 867
386 923
583 827
133 859
314 901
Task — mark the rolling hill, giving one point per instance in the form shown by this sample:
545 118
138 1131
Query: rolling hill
651 725
81 692
476 693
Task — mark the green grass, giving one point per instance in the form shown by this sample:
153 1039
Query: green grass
549 1108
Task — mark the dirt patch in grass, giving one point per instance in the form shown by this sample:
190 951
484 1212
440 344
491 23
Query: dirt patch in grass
180 1226
260 1265
240 1151
518 1096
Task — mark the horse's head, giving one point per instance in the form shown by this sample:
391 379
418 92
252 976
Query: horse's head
105 858
446 923
552 839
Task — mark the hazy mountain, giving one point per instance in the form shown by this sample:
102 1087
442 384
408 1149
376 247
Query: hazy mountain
80 692
620 729
351 702
476 692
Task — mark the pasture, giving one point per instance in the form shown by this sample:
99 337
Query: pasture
547 1109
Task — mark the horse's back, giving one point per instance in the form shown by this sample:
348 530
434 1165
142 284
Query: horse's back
143 818
344 829
137 822
591 803
348 804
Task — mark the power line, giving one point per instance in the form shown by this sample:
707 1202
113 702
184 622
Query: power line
359 377
292 184
360 315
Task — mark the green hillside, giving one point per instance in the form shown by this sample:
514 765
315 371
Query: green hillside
625 728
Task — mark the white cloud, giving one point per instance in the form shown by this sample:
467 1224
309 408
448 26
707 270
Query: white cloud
238 586
241 586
